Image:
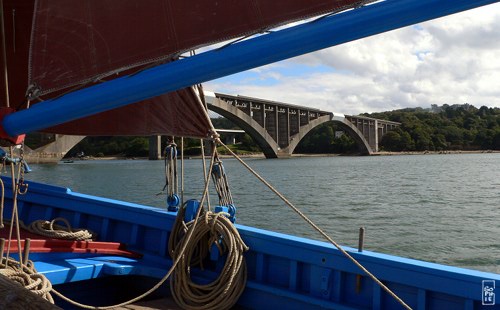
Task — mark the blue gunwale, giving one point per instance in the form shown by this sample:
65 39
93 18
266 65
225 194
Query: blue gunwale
282 269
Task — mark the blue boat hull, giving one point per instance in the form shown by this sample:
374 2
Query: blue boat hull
284 272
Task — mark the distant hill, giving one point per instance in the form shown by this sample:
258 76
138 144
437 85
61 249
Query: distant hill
447 127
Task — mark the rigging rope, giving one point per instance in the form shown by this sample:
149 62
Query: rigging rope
2 200
182 170
171 183
22 271
215 233
204 164
221 183
14 221
181 252
319 230
217 230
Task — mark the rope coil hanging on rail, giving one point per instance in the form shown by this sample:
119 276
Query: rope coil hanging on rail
213 232
187 232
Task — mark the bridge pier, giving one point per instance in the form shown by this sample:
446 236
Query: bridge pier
372 129
154 147
278 127
52 151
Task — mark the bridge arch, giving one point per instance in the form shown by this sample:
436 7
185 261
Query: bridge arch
243 117
346 125
276 127
248 124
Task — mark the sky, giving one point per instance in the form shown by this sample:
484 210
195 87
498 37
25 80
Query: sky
451 60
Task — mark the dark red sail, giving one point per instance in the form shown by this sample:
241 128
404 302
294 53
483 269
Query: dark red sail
58 45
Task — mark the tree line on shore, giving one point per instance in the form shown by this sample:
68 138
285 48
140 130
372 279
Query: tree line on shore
439 128
139 146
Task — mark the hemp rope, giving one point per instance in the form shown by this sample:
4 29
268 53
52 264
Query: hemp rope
2 203
224 291
15 217
303 216
221 183
51 230
26 276
182 250
182 171
170 161
205 173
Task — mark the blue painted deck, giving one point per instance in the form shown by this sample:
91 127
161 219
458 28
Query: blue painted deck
284 272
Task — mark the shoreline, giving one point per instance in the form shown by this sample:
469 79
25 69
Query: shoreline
261 155
435 152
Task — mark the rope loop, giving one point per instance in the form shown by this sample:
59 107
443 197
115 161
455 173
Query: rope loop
26 276
171 182
212 232
52 230
60 219
221 183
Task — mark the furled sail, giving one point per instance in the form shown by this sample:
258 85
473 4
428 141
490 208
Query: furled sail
55 46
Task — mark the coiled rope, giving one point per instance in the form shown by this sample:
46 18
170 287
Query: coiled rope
213 229
181 252
26 276
23 272
52 230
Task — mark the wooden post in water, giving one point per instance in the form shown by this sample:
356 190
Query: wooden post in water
361 242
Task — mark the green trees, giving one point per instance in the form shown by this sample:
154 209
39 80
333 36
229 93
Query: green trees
398 140
322 140
112 146
455 127
440 128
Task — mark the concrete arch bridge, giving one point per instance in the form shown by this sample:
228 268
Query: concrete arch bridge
279 127
276 127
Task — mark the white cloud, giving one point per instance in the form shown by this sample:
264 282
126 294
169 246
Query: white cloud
455 59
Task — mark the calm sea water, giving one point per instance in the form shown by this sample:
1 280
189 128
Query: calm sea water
440 208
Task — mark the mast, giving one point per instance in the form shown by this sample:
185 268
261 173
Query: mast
298 40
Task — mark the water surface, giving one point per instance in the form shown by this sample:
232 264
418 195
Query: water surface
440 208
